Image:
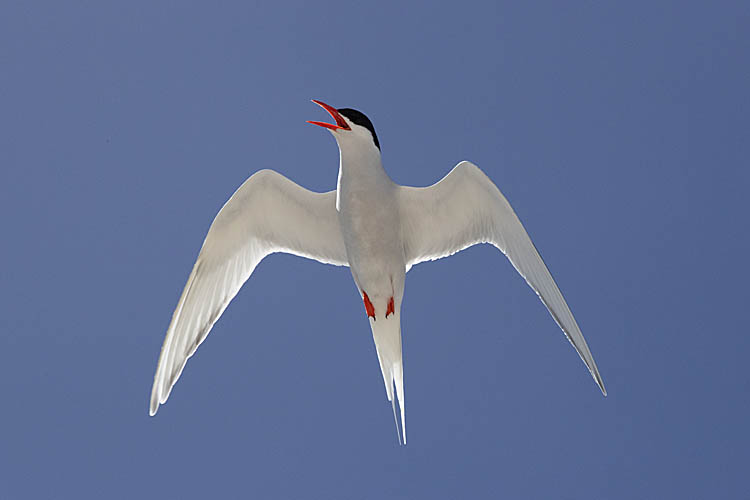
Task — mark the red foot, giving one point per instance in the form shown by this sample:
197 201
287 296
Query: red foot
389 310
368 305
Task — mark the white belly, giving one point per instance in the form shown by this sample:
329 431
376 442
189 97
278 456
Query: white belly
371 229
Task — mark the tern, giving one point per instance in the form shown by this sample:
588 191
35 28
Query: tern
374 226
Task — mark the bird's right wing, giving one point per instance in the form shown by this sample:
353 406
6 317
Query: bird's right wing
466 208
267 214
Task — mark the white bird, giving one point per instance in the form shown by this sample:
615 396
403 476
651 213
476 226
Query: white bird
376 227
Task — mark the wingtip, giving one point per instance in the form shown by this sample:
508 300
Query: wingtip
153 406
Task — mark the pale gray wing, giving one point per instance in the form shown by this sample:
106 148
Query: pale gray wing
466 208
267 214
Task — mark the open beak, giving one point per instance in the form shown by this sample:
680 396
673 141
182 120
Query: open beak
340 122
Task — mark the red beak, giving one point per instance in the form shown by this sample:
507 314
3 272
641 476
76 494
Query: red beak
340 122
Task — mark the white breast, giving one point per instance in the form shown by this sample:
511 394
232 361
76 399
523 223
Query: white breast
370 225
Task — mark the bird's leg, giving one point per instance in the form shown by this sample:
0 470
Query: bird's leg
369 308
390 309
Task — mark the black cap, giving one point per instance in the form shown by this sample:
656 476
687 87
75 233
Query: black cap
360 119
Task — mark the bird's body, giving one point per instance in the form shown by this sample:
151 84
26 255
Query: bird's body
368 208
376 227
370 224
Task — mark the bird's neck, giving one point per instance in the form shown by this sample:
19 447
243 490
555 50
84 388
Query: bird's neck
360 169
360 161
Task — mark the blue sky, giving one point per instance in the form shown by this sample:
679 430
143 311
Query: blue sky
618 132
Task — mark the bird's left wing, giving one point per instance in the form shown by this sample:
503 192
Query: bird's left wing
466 208
267 214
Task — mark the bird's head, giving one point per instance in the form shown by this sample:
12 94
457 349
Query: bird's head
352 127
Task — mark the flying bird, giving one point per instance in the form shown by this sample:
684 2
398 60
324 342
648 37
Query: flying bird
369 223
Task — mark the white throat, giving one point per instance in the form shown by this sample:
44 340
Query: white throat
359 165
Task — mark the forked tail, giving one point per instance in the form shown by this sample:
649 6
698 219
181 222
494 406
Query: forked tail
387 335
